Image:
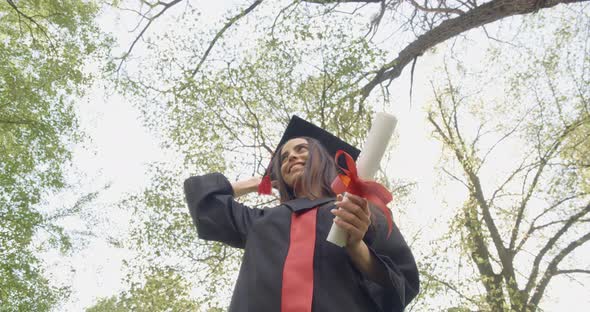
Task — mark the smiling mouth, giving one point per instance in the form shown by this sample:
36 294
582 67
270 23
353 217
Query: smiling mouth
295 164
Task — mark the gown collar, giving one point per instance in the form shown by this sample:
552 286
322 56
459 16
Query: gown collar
299 204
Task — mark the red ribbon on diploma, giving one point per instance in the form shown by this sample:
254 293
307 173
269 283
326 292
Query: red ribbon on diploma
370 190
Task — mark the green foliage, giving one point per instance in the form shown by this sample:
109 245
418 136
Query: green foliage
578 152
44 46
162 291
162 234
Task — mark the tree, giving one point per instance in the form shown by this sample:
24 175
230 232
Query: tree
44 46
163 290
520 228
428 24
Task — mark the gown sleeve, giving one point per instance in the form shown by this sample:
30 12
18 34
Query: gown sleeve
395 255
214 211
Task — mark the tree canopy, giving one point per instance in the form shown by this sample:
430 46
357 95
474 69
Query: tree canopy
502 85
44 46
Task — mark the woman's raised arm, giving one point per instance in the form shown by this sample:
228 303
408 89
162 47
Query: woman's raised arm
245 186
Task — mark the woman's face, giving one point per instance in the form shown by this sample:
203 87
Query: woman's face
293 157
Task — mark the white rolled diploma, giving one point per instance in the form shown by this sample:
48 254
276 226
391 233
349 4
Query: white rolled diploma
368 162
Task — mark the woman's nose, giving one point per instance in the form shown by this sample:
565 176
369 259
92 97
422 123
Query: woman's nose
293 156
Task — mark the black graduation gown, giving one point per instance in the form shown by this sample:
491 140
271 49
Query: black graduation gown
264 236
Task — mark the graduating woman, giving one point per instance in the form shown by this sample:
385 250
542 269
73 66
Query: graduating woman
288 265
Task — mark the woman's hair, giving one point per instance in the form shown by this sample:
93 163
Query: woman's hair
318 174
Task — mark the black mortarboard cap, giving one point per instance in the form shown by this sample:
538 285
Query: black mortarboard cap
298 127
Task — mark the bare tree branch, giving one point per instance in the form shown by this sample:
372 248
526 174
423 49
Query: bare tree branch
220 33
256 120
436 10
377 20
572 271
481 15
295 3
505 136
150 20
552 267
533 227
514 173
455 178
549 245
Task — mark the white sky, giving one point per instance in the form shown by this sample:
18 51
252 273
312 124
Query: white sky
121 148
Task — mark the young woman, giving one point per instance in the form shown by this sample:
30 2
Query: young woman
288 265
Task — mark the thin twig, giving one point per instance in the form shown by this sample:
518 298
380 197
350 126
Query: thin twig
150 20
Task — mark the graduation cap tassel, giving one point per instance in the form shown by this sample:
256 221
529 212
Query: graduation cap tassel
265 186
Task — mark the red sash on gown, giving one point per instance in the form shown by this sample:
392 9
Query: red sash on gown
297 290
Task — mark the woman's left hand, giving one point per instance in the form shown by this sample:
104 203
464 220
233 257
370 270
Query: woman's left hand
354 217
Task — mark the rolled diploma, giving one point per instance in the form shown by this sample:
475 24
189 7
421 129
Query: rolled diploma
368 162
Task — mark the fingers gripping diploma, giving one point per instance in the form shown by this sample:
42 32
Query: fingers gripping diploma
354 217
